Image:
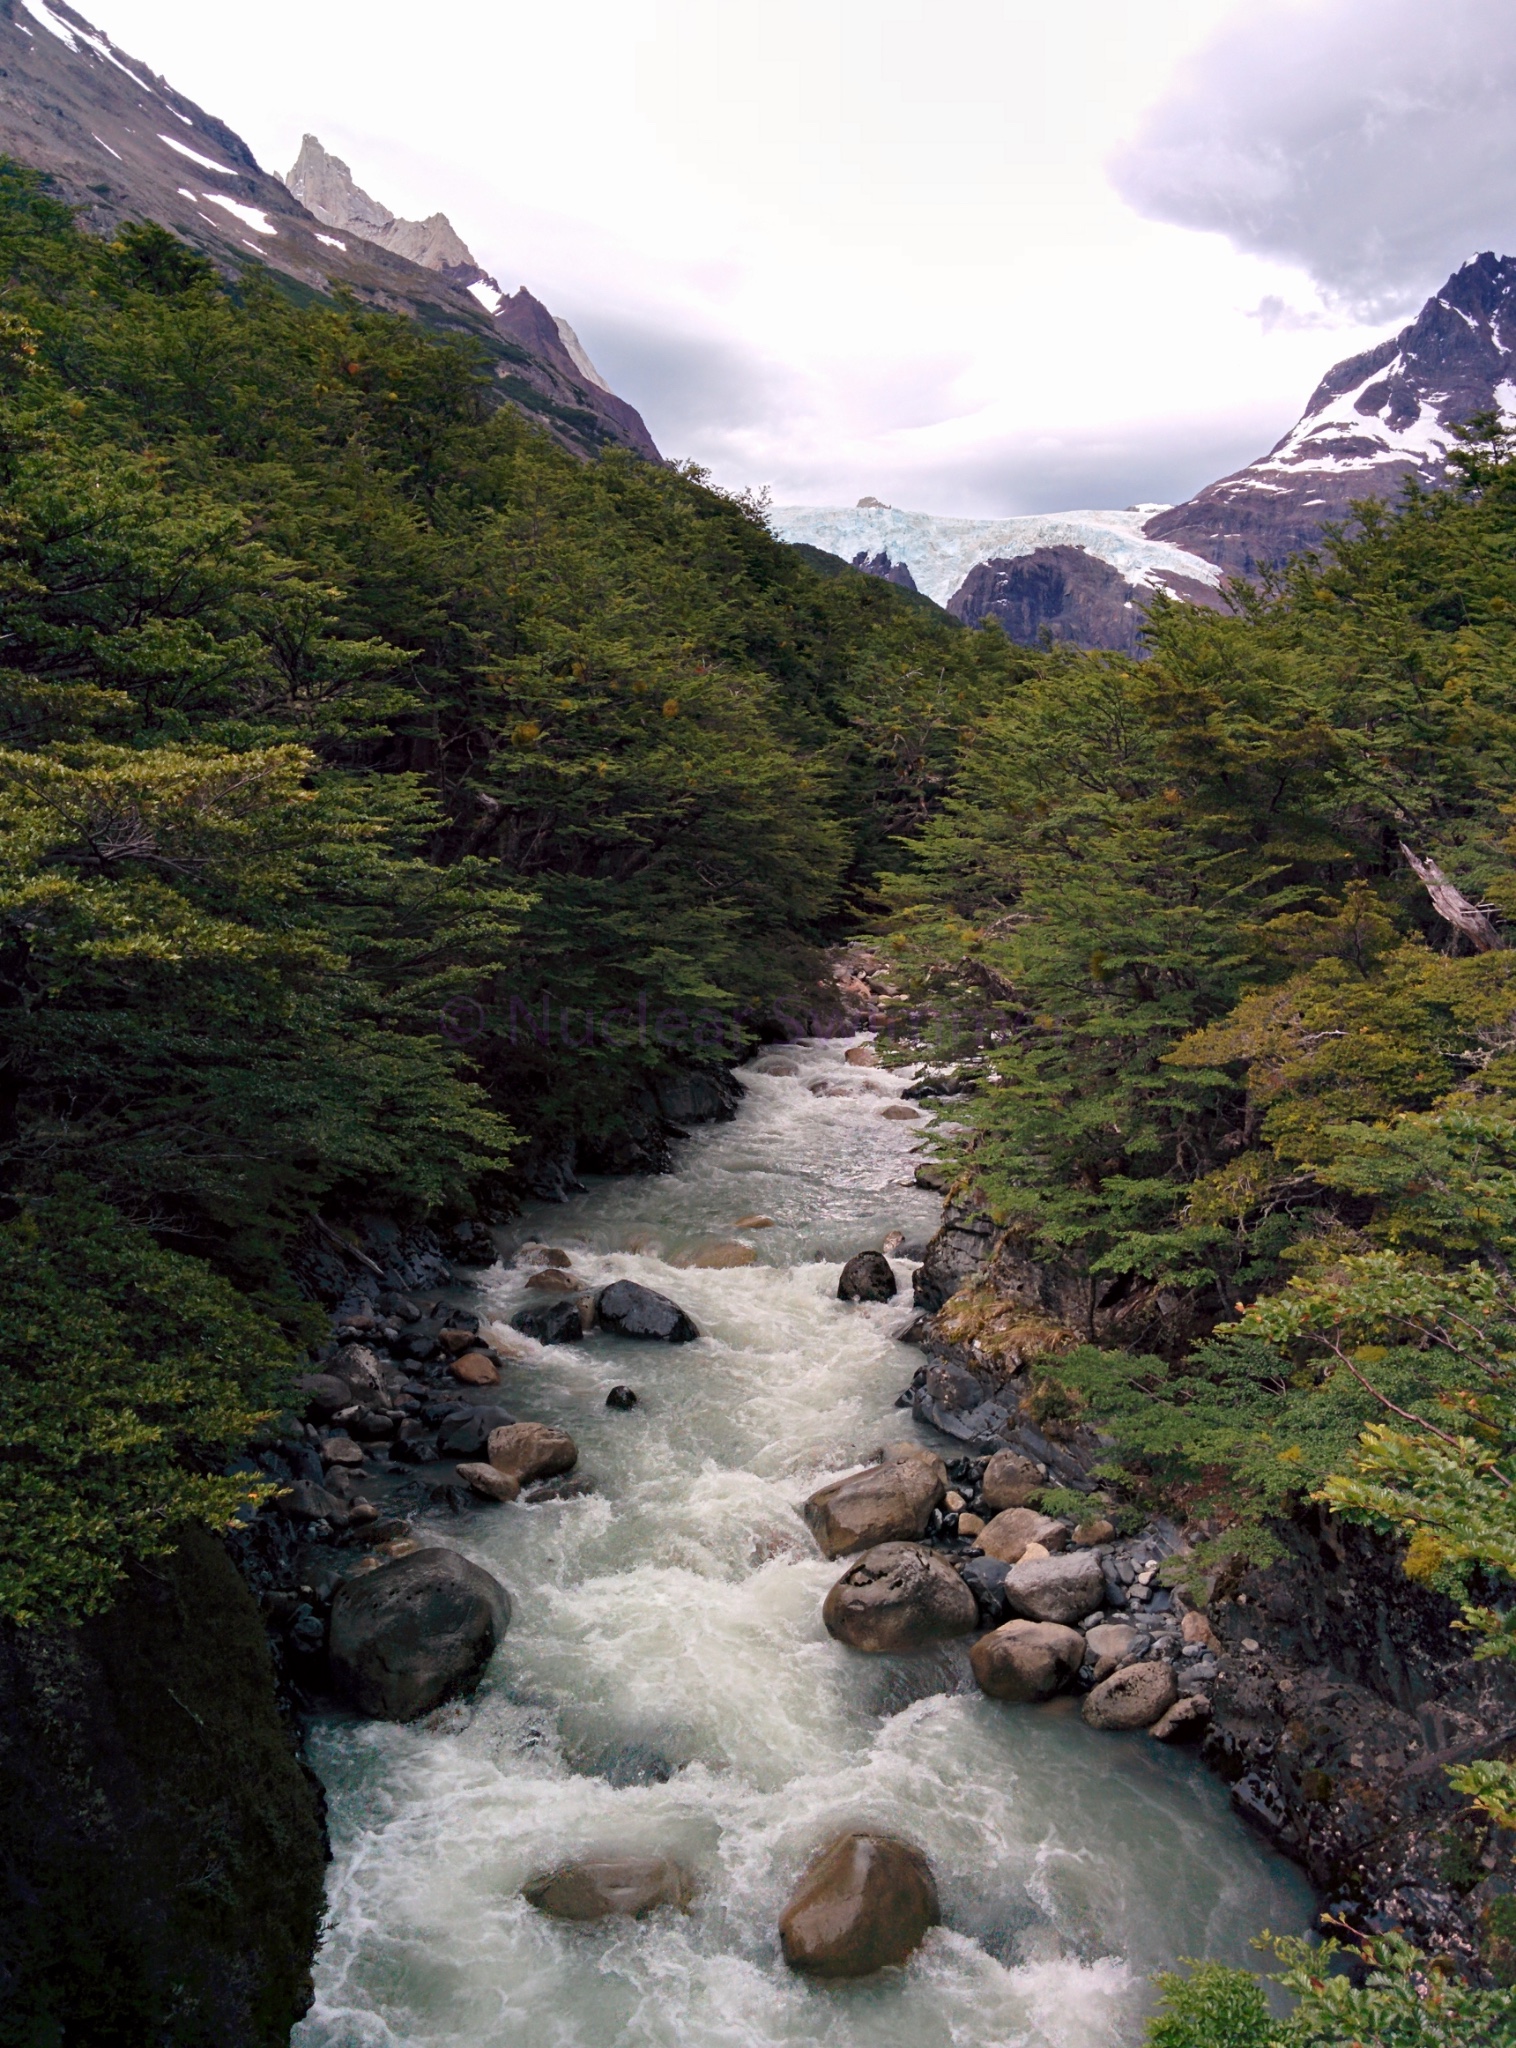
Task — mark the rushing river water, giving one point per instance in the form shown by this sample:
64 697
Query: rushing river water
666 1687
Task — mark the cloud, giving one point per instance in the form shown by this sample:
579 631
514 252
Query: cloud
1372 142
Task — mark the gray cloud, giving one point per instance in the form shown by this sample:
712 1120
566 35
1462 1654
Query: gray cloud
1373 142
687 387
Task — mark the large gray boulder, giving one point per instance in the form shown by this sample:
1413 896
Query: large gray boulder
603 1886
1027 1660
1010 1479
1134 1697
412 1633
886 1503
898 1597
531 1450
629 1310
1014 1528
864 1903
1056 1588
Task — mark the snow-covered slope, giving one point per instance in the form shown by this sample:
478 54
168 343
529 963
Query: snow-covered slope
1373 420
940 553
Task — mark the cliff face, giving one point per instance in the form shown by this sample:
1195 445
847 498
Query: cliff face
1373 421
163 1854
1066 595
122 145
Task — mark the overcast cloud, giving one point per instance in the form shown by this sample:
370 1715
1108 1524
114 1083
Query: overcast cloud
1373 142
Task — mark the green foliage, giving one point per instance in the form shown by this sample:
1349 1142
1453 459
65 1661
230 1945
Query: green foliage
1403 2001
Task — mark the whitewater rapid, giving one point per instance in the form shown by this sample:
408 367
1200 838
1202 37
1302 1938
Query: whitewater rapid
666 1686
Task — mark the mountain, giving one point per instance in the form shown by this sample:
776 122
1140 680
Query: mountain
1082 578
324 184
120 144
1374 420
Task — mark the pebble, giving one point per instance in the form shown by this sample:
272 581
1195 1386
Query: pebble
1249 1644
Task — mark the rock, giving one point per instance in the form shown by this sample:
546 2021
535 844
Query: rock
970 1525
865 1903
783 1069
900 1113
476 1369
1014 1528
457 1339
861 1056
621 1397
341 1450
887 1503
1194 1628
544 1255
985 1579
630 1310
488 1483
718 1254
1107 1643
555 1322
307 1502
472 1245
1009 1481
1027 1660
898 1597
1134 1697
754 1223
532 1450
1185 1721
411 1634
1056 1588
866 1277
1094 1531
1033 1550
627 1886
465 1431
552 1280
324 1392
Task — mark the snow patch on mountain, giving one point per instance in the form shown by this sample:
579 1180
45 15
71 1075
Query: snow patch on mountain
940 552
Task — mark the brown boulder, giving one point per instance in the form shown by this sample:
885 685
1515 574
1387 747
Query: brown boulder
1185 1721
531 1450
1014 1528
1056 1588
600 1886
865 1903
1096 1530
861 1056
488 1483
754 1223
718 1254
1134 1697
900 1113
887 1503
552 1280
411 1634
1027 1660
476 1369
1195 1628
1009 1481
898 1597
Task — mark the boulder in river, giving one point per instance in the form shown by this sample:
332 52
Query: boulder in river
476 1369
628 1309
1008 1535
1009 1481
410 1634
532 1450
887 1503
601 1886
621 1397
1056 1588
550 1322
866 1902
1027 1660
1134 1697
488 1483
465 1430
717 1253
867 1276
898 1596
552 1280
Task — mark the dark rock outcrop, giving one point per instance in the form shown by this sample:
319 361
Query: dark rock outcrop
163 1853
627 1309
880 565
867 1276
1068 596
410 1634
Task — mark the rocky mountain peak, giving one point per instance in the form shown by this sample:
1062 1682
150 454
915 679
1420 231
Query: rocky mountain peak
325 187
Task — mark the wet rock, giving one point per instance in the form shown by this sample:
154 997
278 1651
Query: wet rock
307 1502
599 1887
471 1245
411 1634
900 1113
886 1503
985 1579
554 1322
464 1432
754 1223
1013 1529
324 1392
1185 1721
1194 1628
459 1336
866 1277
341 1450
898 1597
476 1369
1107 1644
488 1483
1027 1660
719 1254
1134 1697
631 1310
552 1280
544 1255
861 1056
865 1903
1009 1481
575 1488
1056 1588
782 1069
532 1450
1096 1530
621 1397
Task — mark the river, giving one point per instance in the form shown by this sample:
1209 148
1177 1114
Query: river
666 1686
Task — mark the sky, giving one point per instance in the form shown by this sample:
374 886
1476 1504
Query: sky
975 257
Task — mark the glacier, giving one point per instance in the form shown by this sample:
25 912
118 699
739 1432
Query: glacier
940 552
